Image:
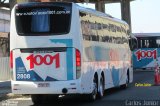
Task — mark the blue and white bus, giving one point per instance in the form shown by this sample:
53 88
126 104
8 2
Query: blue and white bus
146 56
62 48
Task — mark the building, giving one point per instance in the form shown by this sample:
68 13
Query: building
4 31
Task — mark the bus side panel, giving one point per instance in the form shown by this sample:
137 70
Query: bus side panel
99 58
145 57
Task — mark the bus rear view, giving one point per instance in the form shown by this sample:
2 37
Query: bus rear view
62 48
42 52
146 56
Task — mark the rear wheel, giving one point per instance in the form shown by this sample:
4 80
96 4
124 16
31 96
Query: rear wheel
92 96
101 88
124 86
40 99
37 99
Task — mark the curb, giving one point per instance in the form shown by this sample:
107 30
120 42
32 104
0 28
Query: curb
5 88
12 96
5 84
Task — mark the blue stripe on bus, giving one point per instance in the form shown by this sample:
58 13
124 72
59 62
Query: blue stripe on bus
68 42
69 62
69 55
115 76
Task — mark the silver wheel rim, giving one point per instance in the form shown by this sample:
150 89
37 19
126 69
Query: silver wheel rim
101 88
127 81
94 93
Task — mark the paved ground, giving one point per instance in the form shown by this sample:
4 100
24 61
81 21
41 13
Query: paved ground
5 88
134 95
5 91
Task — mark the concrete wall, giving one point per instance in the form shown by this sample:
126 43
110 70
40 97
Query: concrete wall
4 30
5 71
4 20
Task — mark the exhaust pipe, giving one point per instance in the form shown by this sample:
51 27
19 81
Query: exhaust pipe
64 90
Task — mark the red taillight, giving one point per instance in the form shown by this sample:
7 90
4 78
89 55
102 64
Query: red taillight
78 58
78 63
11 59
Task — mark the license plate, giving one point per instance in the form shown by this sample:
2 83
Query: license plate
43 85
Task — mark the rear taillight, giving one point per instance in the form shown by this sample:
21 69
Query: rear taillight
78 63
11 59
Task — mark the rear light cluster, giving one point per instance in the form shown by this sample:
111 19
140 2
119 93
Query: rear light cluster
78 63
11 59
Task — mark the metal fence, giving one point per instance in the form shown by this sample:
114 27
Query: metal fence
5 71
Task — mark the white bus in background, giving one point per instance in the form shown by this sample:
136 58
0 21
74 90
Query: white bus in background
62 48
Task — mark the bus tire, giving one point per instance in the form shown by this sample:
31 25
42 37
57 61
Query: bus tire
37 99
101 88
93 96
124 86
51 98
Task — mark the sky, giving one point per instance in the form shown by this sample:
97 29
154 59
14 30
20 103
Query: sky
145 15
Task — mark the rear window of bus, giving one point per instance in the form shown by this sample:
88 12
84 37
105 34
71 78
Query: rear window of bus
39 19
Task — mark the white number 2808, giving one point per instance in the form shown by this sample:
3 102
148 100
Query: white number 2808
23 76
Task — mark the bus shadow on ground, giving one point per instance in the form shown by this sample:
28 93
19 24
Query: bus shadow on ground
77 100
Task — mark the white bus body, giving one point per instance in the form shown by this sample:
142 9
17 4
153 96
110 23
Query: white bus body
62 48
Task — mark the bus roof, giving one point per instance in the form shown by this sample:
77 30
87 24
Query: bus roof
98 13
89 10
146 34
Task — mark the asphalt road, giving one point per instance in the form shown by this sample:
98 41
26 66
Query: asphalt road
135 95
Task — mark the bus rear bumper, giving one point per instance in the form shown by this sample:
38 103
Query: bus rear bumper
56 87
